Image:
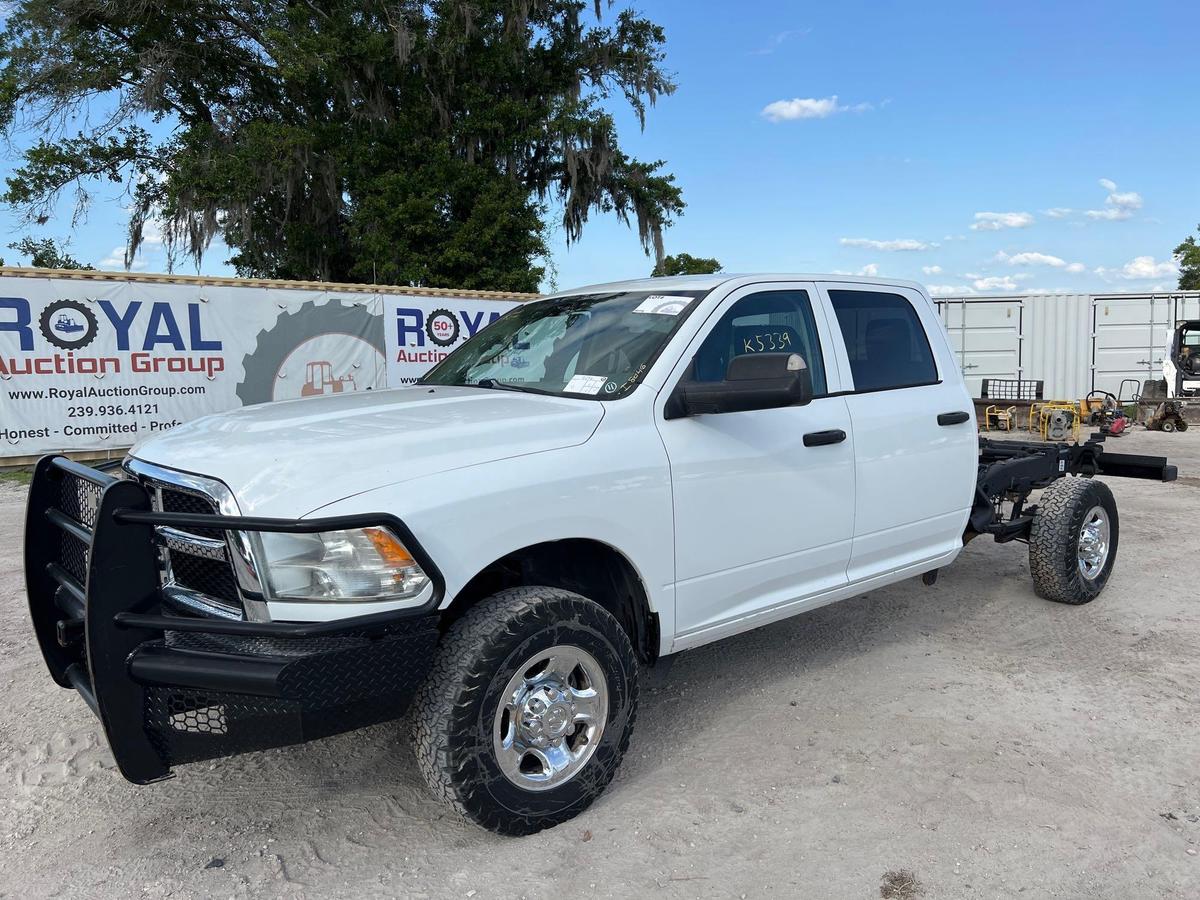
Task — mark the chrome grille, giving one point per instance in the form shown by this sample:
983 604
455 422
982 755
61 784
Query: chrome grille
196 560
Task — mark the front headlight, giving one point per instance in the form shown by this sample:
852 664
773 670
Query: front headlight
359 564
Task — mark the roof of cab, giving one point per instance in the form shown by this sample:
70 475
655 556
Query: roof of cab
708 282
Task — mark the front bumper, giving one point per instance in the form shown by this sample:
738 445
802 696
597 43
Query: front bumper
171 688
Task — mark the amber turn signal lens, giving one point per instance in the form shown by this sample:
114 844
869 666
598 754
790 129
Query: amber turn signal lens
390 550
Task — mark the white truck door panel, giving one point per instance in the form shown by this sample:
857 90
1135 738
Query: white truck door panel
910 474
915 445
760 518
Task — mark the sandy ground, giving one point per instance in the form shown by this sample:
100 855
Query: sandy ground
965 740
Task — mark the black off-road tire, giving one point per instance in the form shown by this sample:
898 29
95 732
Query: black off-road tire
1054 540
453 714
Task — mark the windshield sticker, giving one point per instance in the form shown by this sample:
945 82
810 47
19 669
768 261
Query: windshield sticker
663 305
585 384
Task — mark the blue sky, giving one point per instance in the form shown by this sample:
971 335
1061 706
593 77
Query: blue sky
976 147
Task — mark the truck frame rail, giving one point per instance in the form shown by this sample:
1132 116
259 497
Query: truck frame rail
1009 471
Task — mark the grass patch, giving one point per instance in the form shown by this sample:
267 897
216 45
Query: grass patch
900 884
16 476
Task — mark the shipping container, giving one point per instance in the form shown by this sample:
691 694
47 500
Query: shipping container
1074 343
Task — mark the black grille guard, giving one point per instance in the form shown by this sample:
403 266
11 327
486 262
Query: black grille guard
171 688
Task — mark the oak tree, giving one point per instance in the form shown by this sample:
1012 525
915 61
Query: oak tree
428 142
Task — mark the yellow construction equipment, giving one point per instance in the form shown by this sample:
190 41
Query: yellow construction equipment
1000 418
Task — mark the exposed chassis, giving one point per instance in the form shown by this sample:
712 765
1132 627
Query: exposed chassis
1009 471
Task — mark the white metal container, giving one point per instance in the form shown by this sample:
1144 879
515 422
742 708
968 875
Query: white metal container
1074 343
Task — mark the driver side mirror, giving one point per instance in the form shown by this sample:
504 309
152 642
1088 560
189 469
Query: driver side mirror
752 381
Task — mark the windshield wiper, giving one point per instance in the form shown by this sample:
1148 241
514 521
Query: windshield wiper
493 384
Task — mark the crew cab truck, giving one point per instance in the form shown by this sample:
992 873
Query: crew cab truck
595 481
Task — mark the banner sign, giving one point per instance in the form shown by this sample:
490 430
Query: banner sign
420 335
93 363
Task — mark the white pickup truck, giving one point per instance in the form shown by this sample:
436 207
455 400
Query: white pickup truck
595 481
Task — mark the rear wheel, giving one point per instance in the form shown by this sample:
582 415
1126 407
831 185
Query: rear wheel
1073 541
528 710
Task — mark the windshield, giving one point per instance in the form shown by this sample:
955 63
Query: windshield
590 345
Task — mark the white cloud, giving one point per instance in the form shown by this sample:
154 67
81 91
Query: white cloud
898 244
1141 267
1033 258
152 234
1116 213
870 270
1118 205
1059 212
809 108
115 261
932 270
950 290
994 221
997 283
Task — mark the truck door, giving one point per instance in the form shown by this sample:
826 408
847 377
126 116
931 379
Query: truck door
763 516
915 446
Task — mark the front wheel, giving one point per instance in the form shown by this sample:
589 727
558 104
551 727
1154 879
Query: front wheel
528 709
1073 540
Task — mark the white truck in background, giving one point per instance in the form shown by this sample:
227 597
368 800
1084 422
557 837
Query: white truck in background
595 481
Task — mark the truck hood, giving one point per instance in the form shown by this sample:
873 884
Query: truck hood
292 457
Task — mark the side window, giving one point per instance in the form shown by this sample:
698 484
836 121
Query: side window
768 322
885 340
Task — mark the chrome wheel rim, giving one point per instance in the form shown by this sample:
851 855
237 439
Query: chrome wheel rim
550 718
1093 543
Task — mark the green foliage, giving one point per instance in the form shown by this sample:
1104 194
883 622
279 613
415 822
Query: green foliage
417 141
686 264
45 254
16 476
1187 255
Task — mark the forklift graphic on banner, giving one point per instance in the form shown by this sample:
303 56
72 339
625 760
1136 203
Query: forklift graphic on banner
316 350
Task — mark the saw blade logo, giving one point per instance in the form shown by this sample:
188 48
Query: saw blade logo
442 327
329 331
67 324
